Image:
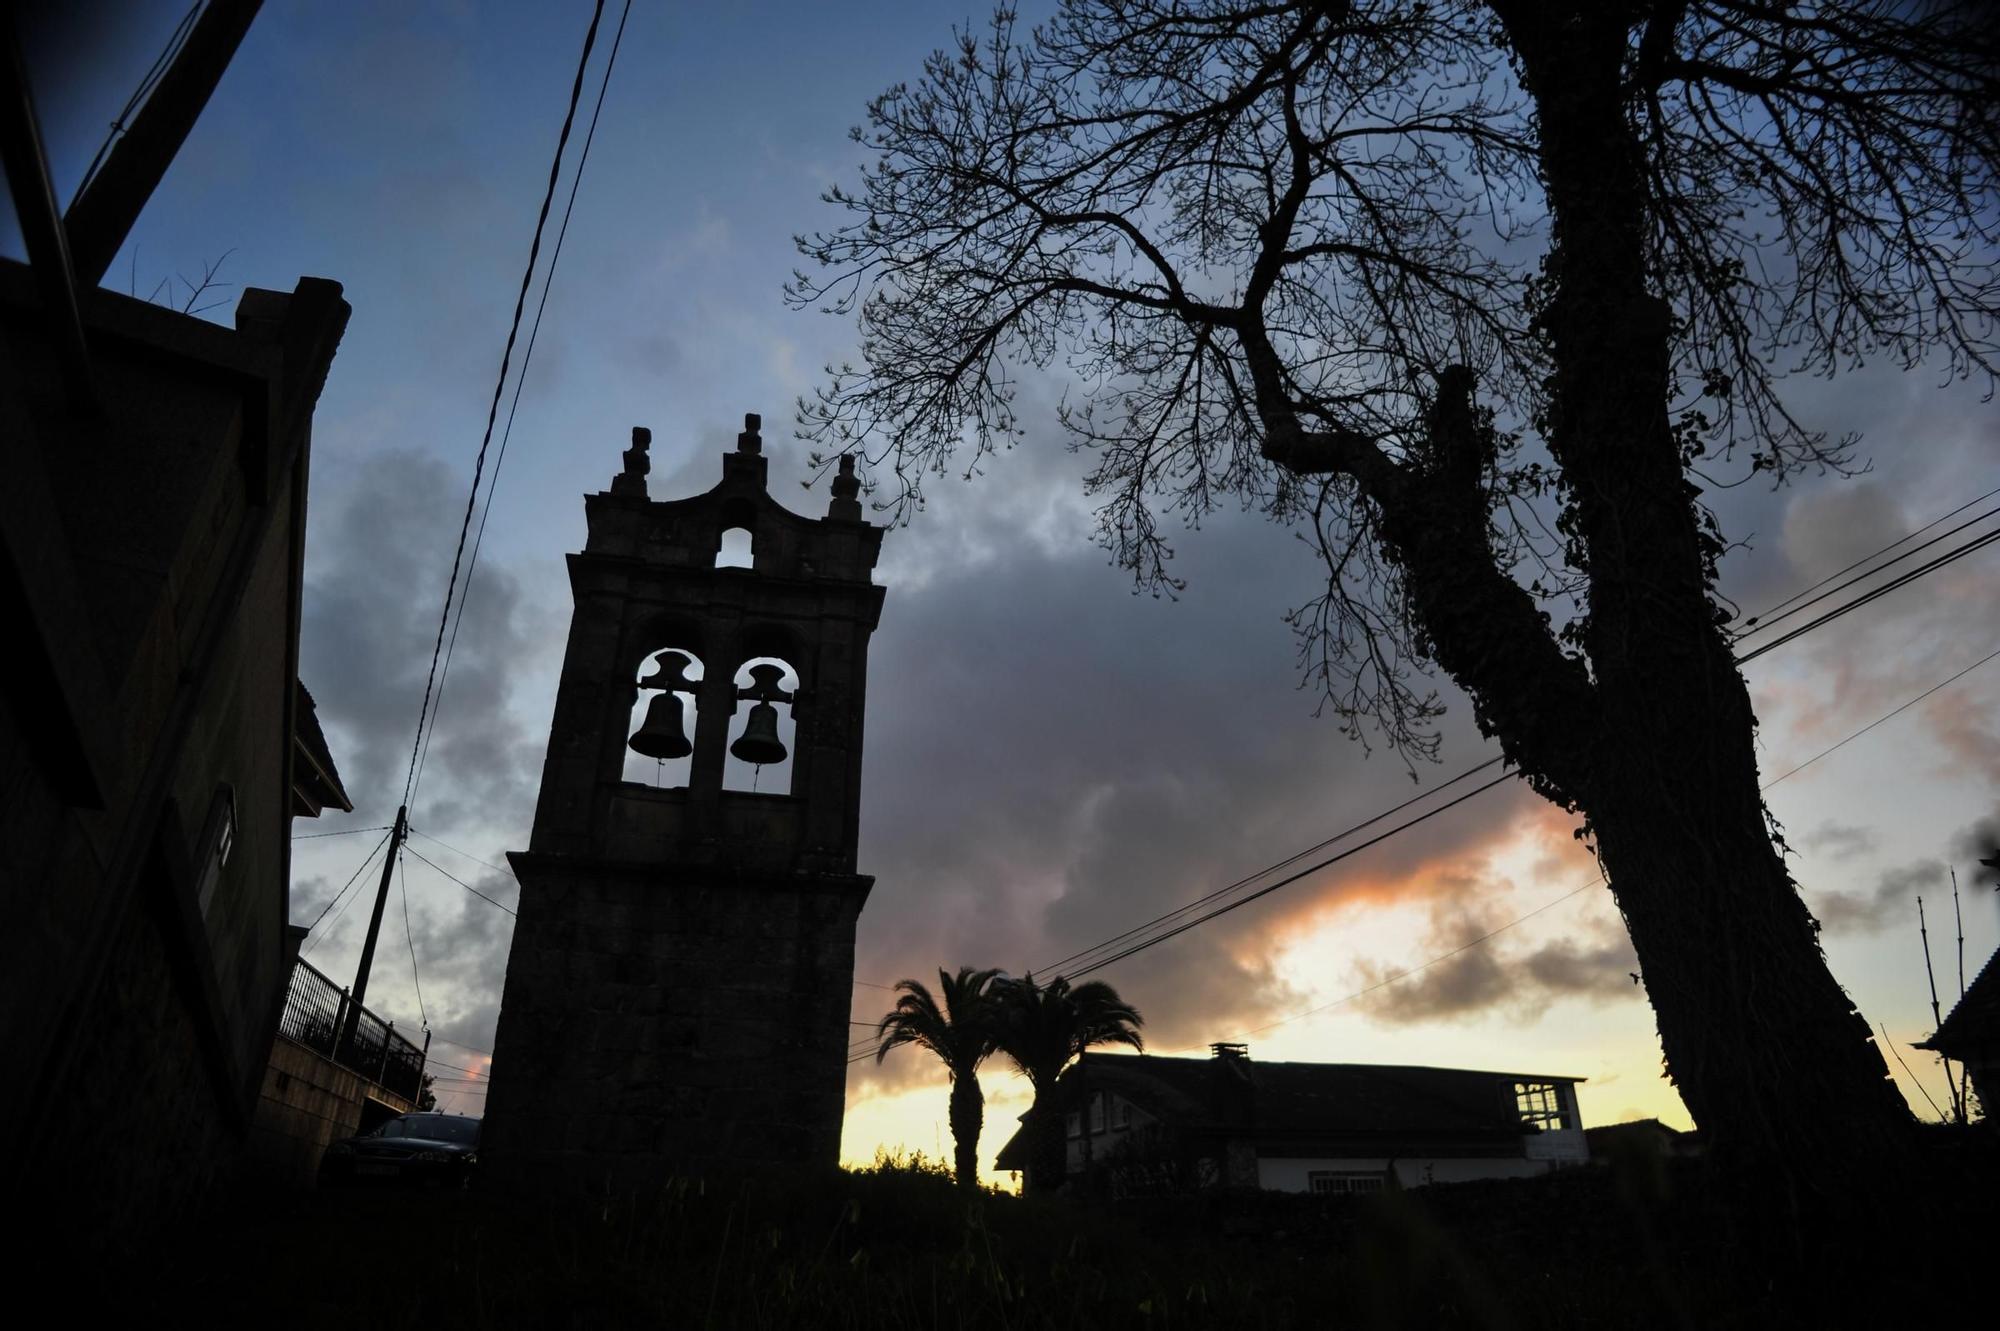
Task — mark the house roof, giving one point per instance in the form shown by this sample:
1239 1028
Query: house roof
1973 1026
1242 1097
315 780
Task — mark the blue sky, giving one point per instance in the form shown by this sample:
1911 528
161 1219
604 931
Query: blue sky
1049 758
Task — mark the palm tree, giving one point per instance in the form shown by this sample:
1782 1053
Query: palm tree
1042 1028
959 1030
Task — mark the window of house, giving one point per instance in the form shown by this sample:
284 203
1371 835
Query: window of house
218 839
1541 1105
1342 1182
1074 1122
1097 1113
1121 1113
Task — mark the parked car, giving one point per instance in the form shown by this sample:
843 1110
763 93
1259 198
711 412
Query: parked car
431 1149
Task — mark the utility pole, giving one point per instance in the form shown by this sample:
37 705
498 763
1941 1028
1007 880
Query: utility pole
374 928
98 222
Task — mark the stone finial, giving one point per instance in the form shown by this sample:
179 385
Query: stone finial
751 441
846 503
632 481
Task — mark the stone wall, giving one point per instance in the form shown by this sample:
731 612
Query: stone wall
307 1101
655 1027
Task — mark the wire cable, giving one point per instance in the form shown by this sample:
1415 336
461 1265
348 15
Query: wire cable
345 831
1600 880
1273 868
1889 716
460 1044
1586 886
461 882
1765 623
496 868
1289 879
344 890
1908 536
175 41
1103 954
527 358
403 876
1848 607
499 388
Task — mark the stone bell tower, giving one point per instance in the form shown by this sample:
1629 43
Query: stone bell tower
678 992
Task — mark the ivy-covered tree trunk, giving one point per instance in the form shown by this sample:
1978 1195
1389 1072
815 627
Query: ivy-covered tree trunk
968 1113
1768 1052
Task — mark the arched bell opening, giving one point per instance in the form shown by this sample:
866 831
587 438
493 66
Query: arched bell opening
762 733
736 549
659 745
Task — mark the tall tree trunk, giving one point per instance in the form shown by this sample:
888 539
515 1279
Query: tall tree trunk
968 1114
1768 1052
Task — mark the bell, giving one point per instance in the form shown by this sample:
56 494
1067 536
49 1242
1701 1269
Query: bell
662 736
759 743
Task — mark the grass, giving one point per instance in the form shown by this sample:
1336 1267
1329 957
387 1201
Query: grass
897 1246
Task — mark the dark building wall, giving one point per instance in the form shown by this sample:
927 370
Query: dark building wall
153 552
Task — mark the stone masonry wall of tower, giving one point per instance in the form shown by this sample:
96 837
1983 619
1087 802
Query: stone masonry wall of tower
677 995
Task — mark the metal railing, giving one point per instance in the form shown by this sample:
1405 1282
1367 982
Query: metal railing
315 1012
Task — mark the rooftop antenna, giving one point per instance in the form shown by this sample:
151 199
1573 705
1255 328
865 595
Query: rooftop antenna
1958 918
1937 1018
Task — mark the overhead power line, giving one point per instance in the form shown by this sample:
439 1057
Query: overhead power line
496 868
527 358
345 831
402 875
1773 619
856 1055
1921 570
1147 935
1888 716
462 883
342 893
1240 883
499 389
1938 521
1183 924
1181 928
175 41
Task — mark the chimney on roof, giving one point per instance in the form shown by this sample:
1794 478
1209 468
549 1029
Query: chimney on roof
1233 1089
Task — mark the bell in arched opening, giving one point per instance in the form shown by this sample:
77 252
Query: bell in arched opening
664 734
759 744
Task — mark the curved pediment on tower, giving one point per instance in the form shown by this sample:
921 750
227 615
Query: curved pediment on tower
695 532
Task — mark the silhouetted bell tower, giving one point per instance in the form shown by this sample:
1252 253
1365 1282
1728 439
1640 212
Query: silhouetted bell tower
678 991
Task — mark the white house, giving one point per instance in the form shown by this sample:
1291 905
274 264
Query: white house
1169 1124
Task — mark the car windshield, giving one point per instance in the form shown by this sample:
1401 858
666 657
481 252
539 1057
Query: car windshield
439 1128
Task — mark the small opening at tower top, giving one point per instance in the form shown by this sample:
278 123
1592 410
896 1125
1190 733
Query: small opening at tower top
735 550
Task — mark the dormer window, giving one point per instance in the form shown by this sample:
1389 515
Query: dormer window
1541 1106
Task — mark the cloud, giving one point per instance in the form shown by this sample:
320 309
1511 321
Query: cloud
378 558
1596 963
1978 841
1840 841
1893 899
1052 761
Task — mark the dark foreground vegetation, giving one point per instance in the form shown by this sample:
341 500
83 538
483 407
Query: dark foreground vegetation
1636 1245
